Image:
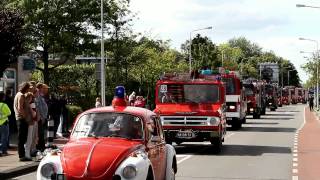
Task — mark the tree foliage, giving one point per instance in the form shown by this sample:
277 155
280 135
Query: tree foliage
11 36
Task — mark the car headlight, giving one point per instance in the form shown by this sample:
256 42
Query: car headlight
214 121
232 107
130 171
47 170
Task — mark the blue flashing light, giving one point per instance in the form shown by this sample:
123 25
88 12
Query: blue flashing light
120 91
206 72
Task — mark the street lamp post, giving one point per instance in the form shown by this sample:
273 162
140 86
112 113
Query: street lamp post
103 75
190 43
289 77
303 5
317 64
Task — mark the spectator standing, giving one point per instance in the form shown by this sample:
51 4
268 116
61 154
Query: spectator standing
132 98
42 108
54 111
311 103
20 114
140 102
98 102
12 120
4 124
31 118
34 138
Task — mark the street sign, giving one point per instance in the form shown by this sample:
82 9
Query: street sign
29 64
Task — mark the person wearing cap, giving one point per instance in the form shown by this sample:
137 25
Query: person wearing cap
42 108
4 125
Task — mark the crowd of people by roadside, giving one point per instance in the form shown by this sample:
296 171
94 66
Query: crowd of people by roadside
27 114
132 100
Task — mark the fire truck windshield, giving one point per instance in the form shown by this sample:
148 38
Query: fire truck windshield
248 92
188 93
230 86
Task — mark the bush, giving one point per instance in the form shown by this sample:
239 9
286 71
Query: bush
73 111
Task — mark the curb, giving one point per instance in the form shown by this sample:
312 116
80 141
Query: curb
11 173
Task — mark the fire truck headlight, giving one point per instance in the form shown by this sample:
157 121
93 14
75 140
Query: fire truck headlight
214 121
251 109
232 107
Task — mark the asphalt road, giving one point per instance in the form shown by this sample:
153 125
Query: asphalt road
261 150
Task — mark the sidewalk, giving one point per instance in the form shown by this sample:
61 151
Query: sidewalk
10 166
309 148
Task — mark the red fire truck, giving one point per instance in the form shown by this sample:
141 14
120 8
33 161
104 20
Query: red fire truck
253 95
271 96
192 108
285 96
300 95
235 99
292 97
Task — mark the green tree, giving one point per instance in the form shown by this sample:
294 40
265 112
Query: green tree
11 37
62 27
204 52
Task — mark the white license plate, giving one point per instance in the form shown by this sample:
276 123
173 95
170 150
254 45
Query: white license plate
185 134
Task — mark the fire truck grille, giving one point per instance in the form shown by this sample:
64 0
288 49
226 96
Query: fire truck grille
185 120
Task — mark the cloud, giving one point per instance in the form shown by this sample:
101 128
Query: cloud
273 24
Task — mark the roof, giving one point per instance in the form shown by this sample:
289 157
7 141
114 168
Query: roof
123 109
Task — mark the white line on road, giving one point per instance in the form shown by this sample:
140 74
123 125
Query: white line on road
295 155
295 151
294 171
295 164
183 159
295 159
295 178
189 156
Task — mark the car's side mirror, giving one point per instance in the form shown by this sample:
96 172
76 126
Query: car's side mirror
155 139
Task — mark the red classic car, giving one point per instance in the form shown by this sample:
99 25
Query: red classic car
114 142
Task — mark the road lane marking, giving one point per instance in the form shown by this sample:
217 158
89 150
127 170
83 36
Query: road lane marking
294 171
295 178
295 159
186 157
183 159
295 155
295 164
295 150
229 135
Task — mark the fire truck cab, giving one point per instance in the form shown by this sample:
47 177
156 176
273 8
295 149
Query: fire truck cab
271 96
235 99
285 96
192 109
300 95
253 94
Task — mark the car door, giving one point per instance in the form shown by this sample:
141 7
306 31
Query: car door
162 149
153 147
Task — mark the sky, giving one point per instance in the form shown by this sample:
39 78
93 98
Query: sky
274 25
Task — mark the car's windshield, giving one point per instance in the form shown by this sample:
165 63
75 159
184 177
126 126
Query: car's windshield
230 86
188 93
109 124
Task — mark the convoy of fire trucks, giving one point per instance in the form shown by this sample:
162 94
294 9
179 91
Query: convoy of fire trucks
198 106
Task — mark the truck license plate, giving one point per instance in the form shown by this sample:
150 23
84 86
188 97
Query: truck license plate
185 134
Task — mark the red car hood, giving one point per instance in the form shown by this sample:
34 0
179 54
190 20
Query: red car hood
95 158
188 109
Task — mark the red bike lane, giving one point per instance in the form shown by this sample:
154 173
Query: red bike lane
307 158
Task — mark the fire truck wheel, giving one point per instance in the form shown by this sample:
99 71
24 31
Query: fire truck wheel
244 120
272 109
217 144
